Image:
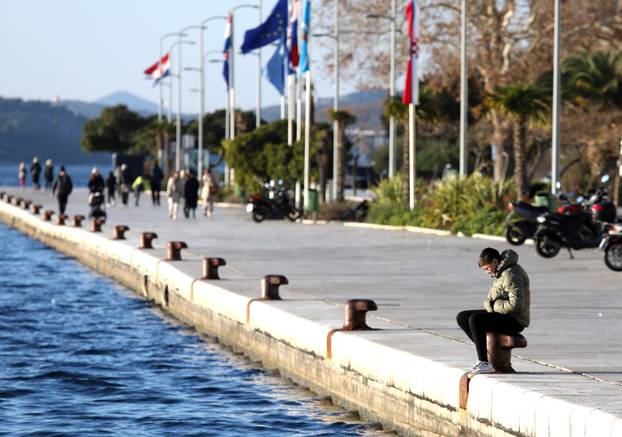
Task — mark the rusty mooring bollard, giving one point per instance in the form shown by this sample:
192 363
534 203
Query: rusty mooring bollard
145 240
119 232
17 201
210 267
499 348
36 208
26 204
2 194
270 286
77 220
173 250
47 215
355 314
9 198
96 225
60 219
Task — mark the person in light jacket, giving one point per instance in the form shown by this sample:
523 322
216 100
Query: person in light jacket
506 308
173 195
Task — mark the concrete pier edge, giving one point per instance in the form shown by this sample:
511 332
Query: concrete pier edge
404 392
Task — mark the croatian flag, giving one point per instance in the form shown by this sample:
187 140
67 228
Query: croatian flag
411 87
226 50
160 69
292 37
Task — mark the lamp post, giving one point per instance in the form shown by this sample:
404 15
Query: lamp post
556 103
160 54
464 94
202 55
179 98
391 19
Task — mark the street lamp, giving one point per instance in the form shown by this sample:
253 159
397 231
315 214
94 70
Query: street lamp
232 67
391 19
160 54
180 34
556 103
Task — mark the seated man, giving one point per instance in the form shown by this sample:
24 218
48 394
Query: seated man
506 307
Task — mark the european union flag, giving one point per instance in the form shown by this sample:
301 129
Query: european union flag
275 71
274 28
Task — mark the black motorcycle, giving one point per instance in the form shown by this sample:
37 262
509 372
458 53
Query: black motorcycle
611 244
574 231
274 203
521 222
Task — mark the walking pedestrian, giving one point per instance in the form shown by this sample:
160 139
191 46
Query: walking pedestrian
191 195
506 307
35 173
155 176
173 195
111 185
124 184
62 188
138 186
96 182
21 175
208 191
48 174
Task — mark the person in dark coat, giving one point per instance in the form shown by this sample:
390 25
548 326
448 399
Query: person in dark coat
96 182
111 185
191 195
35 172
155 177
48 174
62 189
125 184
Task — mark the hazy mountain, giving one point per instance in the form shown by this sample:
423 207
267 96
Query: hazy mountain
43 129
132 101
366 106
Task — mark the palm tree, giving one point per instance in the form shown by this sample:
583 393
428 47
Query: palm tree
523 103
343 119
595 77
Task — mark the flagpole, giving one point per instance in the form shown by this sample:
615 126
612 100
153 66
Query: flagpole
259 21
336 101
464 93
411 154
299 89
307 137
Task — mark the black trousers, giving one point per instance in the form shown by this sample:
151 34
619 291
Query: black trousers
155 197
62 203
476 323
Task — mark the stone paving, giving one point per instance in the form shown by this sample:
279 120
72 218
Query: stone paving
418 281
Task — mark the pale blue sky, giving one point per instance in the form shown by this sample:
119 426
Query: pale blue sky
86 49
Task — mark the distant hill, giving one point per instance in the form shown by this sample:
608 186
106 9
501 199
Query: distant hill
366 106
132 101
43 129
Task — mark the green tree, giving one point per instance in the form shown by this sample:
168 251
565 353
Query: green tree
522 103
112 131
343 119
264 154
595 78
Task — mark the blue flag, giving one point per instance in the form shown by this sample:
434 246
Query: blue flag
274 71
303 67
274 28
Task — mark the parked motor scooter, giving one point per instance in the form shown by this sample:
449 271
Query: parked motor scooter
573 231
274 203
611 244
521 221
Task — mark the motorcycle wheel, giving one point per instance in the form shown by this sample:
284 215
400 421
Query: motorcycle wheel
613 257
547 246
293 215
514 235
259 215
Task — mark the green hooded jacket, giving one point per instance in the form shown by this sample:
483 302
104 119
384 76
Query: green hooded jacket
509 293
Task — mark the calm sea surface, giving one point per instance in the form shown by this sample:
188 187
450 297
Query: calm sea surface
79 174
80 355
